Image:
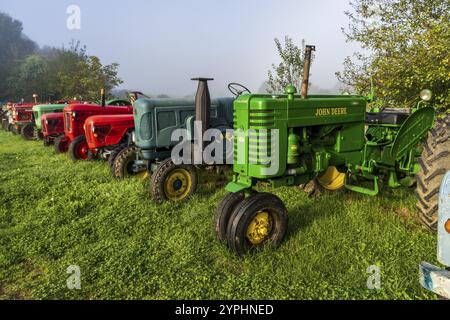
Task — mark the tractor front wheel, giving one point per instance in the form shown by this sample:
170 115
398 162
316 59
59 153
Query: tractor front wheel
172 182
257 221
46 142
113 155
125 164
60 145
78 149
28 131
434 163
223 213
38 133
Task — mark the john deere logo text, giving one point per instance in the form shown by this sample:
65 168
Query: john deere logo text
320 112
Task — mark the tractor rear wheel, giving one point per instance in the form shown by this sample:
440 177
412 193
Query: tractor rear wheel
78 149
60 145
257 221
434 163
172 182
125 162
28 131
223 213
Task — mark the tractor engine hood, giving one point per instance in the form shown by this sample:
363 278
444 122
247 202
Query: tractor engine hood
48 107
112 120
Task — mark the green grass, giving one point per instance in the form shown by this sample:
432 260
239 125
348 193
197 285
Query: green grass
55 213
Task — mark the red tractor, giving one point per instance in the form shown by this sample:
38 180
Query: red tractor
107 135
52 125
75 115
21 115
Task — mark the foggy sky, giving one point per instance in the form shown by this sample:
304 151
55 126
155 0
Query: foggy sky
161 44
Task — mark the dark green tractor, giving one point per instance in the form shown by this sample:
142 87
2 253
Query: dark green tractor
156 120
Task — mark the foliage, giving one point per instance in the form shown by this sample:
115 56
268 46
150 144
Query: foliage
290 70
14 47
64 74
79 75
406 45
30 75
55 213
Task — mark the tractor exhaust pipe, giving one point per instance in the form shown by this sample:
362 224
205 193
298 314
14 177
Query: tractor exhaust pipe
103 95
202 102
202 107
306 68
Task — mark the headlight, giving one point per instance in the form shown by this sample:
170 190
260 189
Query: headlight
426 95
447 226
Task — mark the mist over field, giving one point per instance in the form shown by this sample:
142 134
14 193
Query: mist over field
160 45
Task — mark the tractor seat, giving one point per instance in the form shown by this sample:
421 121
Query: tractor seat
388 116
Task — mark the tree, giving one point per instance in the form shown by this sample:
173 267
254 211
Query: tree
14 47
407 44
30 77
73 73
290 69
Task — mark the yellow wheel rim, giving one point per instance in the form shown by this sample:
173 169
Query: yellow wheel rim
178 184
143 175
259 228
332 179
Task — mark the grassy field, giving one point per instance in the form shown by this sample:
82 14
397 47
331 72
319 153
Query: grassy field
55 213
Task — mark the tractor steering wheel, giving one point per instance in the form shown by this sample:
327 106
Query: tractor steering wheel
237 89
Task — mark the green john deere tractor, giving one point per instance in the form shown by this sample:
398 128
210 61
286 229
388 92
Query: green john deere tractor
290 139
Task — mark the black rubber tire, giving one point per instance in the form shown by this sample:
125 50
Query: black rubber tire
60 145
73 146
122 161
243 214
28 131
159 177
113 155
46 142
92 156
38 134
223 214
434 163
